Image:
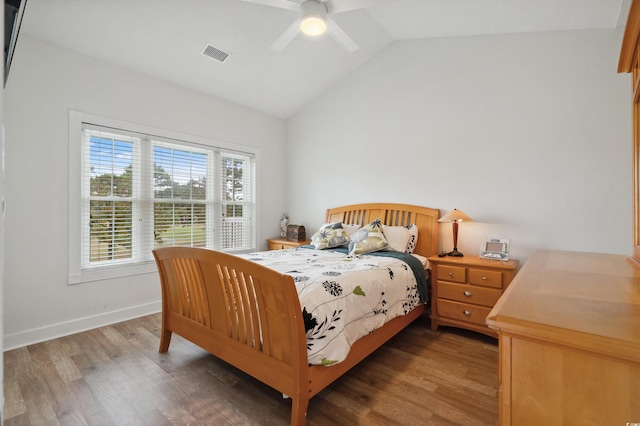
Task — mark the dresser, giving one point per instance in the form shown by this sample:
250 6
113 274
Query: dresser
465 289
569 341
629 62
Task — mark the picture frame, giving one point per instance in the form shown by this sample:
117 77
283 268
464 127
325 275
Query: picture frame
494 248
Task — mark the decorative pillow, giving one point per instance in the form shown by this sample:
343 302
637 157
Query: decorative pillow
413 239
368 239
401 238
330 235
350 229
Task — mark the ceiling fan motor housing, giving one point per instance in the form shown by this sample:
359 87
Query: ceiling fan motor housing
313 8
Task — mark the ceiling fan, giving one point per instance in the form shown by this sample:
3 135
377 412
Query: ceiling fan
314 19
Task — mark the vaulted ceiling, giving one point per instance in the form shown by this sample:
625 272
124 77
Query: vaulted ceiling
165 38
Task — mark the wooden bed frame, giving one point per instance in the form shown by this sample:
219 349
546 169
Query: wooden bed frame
250 316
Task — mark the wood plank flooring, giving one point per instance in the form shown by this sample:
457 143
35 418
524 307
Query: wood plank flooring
114 375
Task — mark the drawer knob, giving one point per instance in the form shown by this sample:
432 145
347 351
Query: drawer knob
467 293
466 313
484 278
450 274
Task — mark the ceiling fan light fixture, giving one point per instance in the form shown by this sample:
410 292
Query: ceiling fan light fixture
314 18
313 25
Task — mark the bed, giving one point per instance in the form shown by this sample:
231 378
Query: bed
250 315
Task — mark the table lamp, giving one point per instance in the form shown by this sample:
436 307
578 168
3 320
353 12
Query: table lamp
455 216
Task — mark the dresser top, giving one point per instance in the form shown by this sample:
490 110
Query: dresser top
586 300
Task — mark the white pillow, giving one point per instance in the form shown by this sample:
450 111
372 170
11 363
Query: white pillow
368 239
397 237
350 229
401 238
330 235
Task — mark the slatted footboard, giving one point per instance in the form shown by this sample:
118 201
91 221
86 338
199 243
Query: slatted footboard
239 311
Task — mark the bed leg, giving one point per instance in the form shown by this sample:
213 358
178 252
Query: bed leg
299 411
165 339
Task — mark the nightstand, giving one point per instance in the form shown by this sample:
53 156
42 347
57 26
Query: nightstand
283 243
465 289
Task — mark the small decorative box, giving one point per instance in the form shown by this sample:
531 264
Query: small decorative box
296 233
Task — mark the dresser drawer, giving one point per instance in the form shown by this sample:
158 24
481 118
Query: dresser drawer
468 293
452 273
463 311
485 277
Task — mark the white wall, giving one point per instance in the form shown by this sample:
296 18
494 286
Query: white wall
528 134
45 83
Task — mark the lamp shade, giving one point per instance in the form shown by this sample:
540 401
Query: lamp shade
455 215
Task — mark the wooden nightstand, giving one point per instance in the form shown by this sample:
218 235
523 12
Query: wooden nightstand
283 243
465 289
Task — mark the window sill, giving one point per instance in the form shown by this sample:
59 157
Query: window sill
110 273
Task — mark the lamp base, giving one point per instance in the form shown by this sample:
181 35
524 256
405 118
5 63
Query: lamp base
455 253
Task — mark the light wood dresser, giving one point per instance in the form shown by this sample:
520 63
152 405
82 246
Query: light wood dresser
569 336
464 289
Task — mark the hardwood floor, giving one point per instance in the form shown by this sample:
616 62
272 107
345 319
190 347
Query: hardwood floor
114 375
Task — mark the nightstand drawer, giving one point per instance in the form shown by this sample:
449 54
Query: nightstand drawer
452 273
278 246
463 311
485 277
468 293
281 243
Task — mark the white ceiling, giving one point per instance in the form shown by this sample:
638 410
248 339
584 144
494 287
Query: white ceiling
165 38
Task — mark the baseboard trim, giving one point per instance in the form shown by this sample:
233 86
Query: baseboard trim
53 331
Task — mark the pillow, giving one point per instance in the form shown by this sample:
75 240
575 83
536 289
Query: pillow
401 238
350 229
397 237
413 239
330 235
368 239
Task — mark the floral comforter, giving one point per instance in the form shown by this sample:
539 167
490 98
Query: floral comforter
346 297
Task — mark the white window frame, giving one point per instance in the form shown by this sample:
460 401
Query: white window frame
78 274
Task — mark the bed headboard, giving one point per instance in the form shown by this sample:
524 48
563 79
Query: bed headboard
425 218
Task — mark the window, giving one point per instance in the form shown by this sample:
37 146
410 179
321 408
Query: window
136 189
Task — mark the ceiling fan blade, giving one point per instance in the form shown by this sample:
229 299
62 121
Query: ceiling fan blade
340 36
287 36
337 6
282 4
